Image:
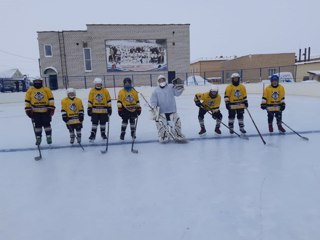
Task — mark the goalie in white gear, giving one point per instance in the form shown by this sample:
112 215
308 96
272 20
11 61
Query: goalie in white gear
164 109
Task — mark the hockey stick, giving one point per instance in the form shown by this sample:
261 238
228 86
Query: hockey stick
304 138
133 139
211 113
37 158
81 146
107 143
264 142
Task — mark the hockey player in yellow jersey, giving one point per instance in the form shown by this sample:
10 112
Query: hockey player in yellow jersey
128 107
99 108
72 114
273 100
209 102
39 106
236 101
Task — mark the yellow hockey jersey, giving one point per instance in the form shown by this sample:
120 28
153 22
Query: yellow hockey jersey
99 100
209 103
72 108
236 96
273 97
128 100
39 100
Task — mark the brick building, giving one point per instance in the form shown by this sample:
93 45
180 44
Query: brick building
113 51
252 68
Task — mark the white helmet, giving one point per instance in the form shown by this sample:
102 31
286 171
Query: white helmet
235 75
71 92
163 82
214 88
161 76
97 81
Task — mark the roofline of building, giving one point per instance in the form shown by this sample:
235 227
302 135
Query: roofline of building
129 24
186 24
262 54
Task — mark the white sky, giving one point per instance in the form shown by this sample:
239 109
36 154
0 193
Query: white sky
218 27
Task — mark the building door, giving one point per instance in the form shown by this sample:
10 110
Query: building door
53 82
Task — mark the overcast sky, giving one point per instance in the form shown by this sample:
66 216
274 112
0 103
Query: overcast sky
218 27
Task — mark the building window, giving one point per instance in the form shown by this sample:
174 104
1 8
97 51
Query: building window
272 71
87 59
47 50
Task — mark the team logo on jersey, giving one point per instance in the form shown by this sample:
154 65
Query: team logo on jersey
129 98
73 107
237 93
99 97
210 103
275 95
38 95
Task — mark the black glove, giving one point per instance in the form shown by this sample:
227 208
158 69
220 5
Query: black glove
65 118
89 111
198 103
228 106
246 103
282 107
29 113
109 109
263 106
138 111
81 117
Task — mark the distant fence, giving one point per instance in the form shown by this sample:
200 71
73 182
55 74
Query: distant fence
150 79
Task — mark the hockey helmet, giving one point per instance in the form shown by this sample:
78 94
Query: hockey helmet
71 93
274 77
37 82
213 92
235 75
97 83
127 81
162 81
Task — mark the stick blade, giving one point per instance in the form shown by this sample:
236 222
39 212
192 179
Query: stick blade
103 151
37 158
134 151
305 138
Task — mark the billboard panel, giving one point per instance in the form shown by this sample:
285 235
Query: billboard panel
136 55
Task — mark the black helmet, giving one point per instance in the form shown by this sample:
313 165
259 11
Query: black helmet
127 81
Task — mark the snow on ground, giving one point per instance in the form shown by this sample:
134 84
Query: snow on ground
219 187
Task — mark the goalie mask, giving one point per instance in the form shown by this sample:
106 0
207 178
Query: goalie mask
162 81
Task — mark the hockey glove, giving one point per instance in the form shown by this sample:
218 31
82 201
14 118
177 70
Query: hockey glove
282 107
263 106
246 103
228 106
81 117
138 111
51 111
65 118
109 109
217 115
29 113
198 103
89 111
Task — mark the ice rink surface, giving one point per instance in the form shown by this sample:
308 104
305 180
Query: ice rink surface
217 187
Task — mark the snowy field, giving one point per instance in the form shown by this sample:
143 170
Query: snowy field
217 187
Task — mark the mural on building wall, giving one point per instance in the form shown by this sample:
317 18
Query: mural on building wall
136 55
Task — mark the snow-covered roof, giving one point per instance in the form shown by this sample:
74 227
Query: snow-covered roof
11 73
316 72
308 62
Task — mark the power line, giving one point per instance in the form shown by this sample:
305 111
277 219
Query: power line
16 55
